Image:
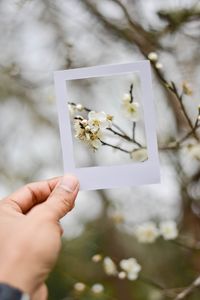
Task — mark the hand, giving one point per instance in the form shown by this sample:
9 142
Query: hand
30 232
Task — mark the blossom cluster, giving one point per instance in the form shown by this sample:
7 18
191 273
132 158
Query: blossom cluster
148 232
127 268
92 129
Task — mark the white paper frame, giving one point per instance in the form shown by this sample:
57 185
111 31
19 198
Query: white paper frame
115 176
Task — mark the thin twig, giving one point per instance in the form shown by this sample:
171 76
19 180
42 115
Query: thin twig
134 126
196 126
189 289
124 136
178 144
121 130
115 147
131 92
151 282
132 99
179 97
188 247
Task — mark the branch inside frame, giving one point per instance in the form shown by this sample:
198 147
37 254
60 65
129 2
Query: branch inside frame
93 128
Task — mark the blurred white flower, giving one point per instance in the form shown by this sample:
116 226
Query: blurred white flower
97 288
79 286
109 266
98 121
187 90
158 65
130 109
194 151
153 56
146 232
139 155
97 258
122 275
168 229
131 267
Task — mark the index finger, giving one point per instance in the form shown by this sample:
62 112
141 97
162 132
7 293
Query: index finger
31 194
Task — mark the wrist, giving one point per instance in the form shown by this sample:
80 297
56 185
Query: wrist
15 283
17 278
16 272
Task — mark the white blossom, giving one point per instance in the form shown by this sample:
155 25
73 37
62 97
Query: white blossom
79 107
130 109
84 122
153 56
79 286
131 267
98 121
72 110
84 132
139 155
97 288
146 232
97 258
95 143
168 229
127 97
109 266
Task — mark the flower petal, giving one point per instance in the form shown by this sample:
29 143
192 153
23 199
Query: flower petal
91 115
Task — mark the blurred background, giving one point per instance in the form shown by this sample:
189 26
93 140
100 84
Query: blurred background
38 37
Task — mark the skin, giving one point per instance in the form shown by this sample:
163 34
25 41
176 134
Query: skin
30 233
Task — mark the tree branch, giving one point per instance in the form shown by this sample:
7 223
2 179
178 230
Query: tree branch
189 289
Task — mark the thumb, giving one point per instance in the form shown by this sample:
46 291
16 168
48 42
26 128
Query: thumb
62 198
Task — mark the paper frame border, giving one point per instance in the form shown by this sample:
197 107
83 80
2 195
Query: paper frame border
104 177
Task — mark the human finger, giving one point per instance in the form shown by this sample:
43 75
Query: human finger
31 194
62 198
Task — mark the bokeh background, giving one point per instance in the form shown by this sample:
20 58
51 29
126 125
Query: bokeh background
40 36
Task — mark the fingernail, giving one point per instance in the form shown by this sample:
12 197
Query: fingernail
69 183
